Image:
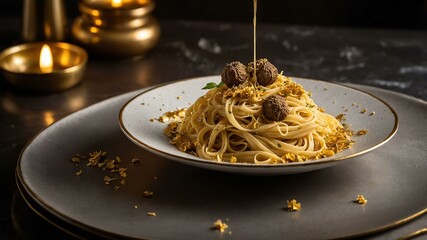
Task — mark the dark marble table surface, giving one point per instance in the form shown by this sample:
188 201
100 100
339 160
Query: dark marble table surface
390 59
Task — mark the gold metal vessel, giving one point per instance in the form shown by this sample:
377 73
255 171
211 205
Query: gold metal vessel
116 32
20 66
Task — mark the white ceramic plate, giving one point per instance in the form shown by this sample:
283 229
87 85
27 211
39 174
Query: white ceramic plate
135 121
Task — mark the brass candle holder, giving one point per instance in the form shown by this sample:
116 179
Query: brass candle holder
57 67
116 28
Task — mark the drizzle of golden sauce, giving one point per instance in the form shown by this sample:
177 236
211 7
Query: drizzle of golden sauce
254 22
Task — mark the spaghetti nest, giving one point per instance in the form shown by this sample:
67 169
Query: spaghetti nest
227 125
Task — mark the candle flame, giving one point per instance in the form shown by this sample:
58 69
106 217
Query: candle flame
116 3
46 59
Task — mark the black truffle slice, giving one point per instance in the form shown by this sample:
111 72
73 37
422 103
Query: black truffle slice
266 72
234 74
275 108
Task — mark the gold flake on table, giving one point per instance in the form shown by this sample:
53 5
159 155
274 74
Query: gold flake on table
293 205
148 193
122 172
108 179
78 173
361 199
98 159
95 157
219 225
151 214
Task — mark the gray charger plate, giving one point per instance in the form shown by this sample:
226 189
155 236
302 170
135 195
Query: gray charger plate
188 200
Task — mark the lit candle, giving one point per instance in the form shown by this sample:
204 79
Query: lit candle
46 59
45 67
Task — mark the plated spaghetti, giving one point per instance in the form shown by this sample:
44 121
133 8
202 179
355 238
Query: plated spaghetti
256 115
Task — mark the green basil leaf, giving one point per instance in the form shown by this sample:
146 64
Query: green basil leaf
212 85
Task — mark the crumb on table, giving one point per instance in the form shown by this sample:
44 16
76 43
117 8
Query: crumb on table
219 225
293 205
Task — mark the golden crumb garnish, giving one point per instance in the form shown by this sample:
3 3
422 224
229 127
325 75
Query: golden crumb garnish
292 88
292 157
233 159
180 141
148 193
372 113
98 159
293 205
339 140
363 110
151 214
340 117
219 225
179 97
361 132
95 157
108 179
361 199
325 153
241 92
152 119
170 116
110 164
122 172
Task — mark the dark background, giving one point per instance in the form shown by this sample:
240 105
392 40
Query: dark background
407 14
